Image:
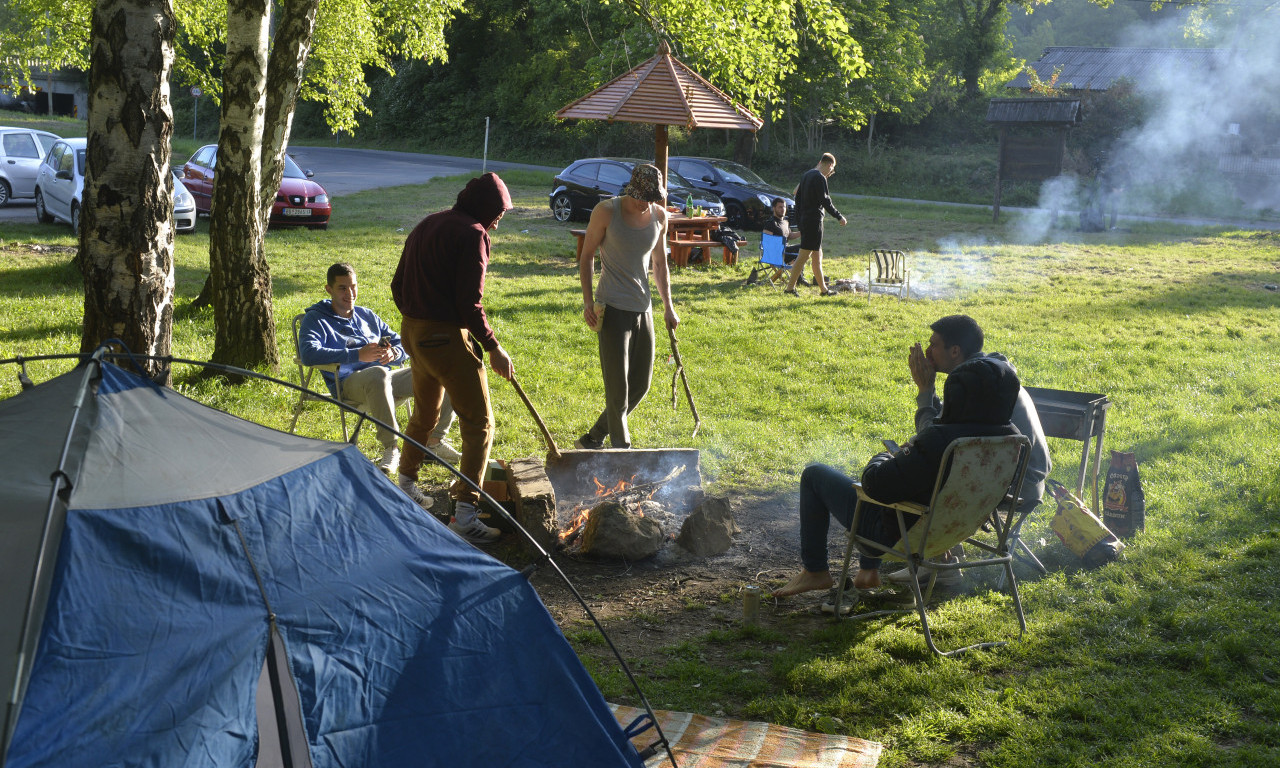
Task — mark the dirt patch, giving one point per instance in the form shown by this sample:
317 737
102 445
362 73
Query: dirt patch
651 605
37 248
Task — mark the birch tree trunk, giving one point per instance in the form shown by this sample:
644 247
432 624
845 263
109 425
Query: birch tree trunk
244 323
126 225
295 28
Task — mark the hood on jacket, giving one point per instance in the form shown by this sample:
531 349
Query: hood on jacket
982 390
484 199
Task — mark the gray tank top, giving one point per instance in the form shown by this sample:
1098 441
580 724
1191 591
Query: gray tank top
624 255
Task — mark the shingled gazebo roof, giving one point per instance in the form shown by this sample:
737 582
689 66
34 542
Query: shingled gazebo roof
662 91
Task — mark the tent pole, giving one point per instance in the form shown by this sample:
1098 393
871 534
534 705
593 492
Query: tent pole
43 562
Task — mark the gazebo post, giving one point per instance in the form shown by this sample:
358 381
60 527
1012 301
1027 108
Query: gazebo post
660 151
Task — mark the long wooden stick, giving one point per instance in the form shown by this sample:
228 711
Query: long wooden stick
684 379
552 451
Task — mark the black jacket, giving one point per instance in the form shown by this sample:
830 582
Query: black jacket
979 397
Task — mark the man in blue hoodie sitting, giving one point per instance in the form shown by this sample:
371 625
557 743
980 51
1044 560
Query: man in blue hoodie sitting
369 354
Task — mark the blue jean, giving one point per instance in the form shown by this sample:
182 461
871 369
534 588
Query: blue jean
826 492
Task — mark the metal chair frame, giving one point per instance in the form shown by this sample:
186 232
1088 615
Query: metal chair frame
305 374
887 268
924 543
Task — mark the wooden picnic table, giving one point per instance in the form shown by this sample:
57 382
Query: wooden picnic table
684 233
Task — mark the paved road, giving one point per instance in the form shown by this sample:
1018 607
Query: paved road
345 171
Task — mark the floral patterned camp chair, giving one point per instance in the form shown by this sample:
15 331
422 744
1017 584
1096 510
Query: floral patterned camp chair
976 486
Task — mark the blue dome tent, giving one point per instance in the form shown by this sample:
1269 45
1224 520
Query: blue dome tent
185 588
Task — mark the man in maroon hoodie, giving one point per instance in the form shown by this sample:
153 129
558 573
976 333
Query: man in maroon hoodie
438 287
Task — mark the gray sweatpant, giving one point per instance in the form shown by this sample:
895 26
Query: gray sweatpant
626 362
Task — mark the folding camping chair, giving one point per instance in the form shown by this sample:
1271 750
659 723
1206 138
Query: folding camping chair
772 248
887 268
977 485
305 374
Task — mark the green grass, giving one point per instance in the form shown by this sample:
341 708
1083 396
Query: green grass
1169 657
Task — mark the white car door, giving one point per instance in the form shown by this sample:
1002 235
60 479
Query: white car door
21 155
58 192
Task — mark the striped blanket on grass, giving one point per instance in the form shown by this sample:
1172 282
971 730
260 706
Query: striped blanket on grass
699 741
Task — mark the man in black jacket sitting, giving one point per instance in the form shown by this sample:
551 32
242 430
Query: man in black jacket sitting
978 401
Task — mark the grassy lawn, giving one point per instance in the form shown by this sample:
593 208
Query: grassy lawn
1167 658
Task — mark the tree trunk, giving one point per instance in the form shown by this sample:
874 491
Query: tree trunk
126 225
289 50
245 332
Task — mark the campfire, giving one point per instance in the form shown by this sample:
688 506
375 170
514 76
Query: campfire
626 497
621 505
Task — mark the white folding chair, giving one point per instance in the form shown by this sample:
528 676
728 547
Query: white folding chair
887 268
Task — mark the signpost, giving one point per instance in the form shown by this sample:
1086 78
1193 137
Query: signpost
195 113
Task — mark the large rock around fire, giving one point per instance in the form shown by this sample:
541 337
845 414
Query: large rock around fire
709 529
614 532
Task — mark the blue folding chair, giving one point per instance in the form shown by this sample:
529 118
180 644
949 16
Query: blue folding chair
772 248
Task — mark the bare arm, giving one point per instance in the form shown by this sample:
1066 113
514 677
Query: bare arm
601 215
662 274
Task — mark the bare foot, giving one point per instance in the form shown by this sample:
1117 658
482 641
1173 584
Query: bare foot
868 578
805 581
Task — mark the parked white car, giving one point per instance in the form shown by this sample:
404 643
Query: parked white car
20 153
59 188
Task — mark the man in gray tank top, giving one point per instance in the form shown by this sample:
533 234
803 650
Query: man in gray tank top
630 232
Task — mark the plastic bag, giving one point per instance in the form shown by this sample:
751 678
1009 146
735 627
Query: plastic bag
1081 530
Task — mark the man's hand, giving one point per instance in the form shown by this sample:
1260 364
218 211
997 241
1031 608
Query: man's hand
922 371
501 363
376 353
673 321
843 221
589 314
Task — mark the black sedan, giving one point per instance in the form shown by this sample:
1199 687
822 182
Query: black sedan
578 188
747 197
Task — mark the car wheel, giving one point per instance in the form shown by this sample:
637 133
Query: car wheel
4 194
75 218
737 218
562 207
42 212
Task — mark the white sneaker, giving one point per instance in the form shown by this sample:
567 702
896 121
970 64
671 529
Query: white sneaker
446 452
475 532
390 459
410 487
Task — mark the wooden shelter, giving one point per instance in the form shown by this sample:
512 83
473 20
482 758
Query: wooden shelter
662 91
1033 156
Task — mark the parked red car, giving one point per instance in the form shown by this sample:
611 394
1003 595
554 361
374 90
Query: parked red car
300 200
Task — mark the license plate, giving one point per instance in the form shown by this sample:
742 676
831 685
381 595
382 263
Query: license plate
297 211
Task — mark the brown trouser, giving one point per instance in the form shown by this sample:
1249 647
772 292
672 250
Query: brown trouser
447 359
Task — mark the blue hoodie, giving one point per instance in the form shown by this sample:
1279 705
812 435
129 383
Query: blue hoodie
327 337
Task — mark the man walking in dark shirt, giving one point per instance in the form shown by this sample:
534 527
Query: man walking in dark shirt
812 198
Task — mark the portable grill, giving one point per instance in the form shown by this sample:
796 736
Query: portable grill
1074 416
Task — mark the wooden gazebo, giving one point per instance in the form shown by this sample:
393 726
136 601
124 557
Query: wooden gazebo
662 91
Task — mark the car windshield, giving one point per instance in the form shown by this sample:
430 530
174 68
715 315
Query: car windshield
738 174
676 180
291 169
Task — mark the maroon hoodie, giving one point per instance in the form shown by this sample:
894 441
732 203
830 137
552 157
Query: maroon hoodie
441 272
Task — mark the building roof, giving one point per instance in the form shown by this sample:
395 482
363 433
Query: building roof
1097 69
662 90
1034 111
